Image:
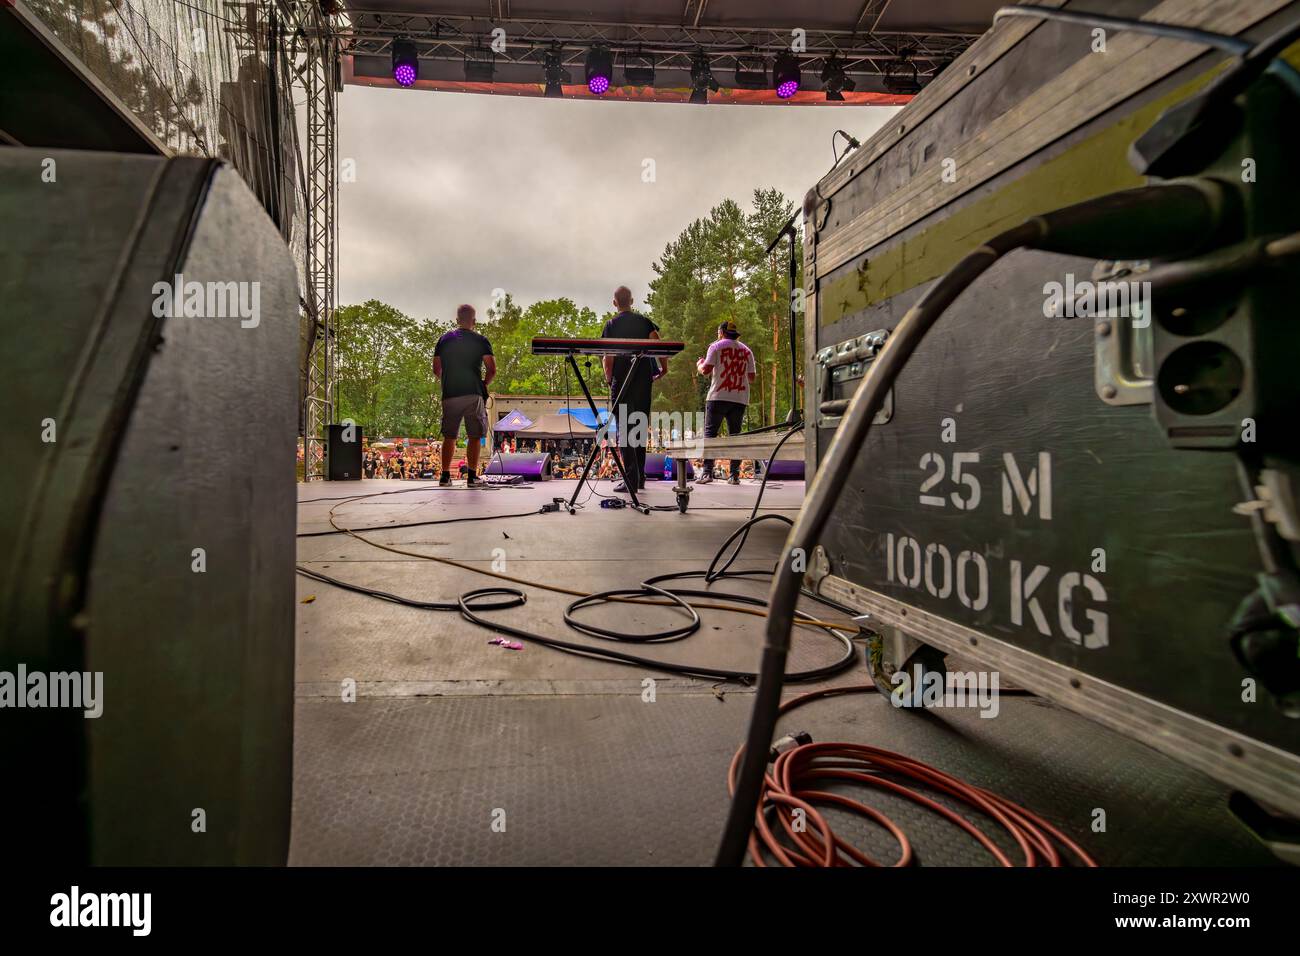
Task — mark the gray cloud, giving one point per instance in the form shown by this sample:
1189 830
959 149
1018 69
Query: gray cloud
458 194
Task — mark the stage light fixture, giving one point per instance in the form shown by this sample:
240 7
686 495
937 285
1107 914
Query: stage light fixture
751 72
785 75
901 77
702 81
480 64
554 71
834 80
600 69
406 62
638 69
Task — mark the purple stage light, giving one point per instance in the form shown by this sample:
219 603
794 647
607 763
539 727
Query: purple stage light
599 69
406 62
786 75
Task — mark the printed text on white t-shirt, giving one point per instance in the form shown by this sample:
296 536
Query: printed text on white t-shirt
732 363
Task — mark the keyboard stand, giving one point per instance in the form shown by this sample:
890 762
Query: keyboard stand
595 450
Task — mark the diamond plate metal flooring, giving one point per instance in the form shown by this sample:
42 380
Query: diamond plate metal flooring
450 735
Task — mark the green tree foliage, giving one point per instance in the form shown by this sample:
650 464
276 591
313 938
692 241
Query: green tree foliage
511 331
716 271
385 380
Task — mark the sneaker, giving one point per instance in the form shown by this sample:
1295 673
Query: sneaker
445 480
733 480
620 487
471 480
704 479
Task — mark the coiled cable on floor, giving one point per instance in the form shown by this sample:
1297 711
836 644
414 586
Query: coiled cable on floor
796 776
651 591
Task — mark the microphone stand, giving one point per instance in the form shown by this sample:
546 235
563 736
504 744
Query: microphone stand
796 413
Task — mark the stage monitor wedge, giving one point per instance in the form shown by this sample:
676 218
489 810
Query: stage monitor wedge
149 511
534 465
660 468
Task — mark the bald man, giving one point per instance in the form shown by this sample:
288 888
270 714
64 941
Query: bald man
460 359
633 413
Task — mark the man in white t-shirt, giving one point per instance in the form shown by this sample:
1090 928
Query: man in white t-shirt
730 365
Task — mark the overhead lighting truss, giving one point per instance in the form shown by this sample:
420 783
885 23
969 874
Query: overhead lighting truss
666 47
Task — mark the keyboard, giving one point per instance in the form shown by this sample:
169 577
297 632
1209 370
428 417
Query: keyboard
655 348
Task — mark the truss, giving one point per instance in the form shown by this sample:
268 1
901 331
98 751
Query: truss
315 75
864 50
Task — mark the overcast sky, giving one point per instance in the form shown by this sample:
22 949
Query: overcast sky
458 194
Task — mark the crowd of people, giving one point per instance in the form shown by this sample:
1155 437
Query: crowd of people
566 463
558 447
401 464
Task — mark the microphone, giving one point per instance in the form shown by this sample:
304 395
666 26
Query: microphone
786 230
852 140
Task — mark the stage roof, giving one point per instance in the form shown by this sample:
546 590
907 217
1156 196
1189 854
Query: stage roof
887 47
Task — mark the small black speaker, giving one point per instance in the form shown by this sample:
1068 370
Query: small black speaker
343 444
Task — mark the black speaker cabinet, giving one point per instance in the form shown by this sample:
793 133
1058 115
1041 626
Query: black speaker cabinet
343 443
150 324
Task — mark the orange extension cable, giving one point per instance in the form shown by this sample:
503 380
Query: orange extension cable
790 780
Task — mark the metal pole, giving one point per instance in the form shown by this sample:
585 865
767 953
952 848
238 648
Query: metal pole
788 230
794 414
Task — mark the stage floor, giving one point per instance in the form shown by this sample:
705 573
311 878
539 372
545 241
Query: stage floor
450 737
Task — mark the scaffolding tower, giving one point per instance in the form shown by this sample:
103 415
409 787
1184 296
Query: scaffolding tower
317 76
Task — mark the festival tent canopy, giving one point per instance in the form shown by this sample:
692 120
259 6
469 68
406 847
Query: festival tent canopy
584 415
555 426
513 422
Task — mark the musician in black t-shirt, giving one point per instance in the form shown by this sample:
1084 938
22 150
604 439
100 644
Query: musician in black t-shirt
633 414
461 358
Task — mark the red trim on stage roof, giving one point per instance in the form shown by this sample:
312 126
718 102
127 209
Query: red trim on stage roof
643 94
